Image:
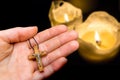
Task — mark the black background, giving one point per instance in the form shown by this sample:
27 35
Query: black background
28 13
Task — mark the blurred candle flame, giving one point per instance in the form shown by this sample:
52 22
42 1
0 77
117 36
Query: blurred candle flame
97 38
66 17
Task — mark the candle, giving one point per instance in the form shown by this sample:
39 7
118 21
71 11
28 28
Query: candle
62 12
99 37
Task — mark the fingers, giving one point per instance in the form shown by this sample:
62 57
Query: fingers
60 44
57 41
62 51
48 34
50 69
18 34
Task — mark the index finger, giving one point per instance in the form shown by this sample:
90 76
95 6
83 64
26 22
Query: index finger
49 33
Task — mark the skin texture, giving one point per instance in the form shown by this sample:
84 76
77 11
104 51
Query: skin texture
57 41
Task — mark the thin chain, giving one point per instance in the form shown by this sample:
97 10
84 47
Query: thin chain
35 42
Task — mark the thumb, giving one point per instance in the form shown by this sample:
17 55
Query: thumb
18 34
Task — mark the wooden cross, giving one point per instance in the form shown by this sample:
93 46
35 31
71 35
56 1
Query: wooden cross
37 56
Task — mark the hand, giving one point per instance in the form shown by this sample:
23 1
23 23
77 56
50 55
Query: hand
14 51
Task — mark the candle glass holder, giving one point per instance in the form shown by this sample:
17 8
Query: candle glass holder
99 37
62 12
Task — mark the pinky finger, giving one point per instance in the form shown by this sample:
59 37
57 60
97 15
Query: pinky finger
50 69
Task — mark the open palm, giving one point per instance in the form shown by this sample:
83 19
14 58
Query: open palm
14 51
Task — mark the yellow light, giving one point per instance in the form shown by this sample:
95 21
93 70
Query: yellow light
66 17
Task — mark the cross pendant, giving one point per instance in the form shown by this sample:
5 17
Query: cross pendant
37 56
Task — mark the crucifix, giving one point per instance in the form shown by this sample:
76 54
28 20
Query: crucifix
37 55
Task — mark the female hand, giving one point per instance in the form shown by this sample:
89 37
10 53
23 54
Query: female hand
58 42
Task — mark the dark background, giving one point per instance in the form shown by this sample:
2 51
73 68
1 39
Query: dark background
28 13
